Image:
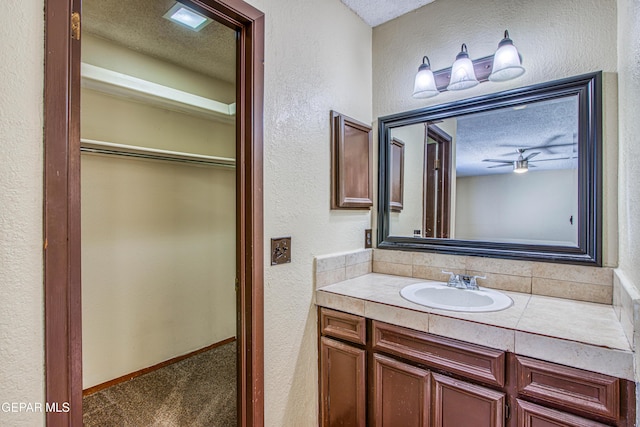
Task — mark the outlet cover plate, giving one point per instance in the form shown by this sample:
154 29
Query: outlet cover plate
367 238
280 250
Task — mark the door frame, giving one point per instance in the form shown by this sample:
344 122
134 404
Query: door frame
62 278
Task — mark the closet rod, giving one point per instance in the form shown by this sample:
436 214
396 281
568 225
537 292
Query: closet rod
102 147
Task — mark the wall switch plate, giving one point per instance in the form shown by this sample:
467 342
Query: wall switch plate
367 238
280 250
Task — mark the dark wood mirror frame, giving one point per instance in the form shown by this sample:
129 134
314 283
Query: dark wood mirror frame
588 88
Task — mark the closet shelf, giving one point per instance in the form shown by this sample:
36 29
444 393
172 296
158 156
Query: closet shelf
115 83
102 147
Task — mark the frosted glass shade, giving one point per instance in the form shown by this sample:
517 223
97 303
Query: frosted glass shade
507 64
425 83
463 76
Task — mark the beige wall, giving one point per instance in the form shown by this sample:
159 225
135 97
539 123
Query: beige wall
410 218
318 58
534 206
556 40
629 178
21 286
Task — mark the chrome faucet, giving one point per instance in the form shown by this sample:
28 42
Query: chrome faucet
463 281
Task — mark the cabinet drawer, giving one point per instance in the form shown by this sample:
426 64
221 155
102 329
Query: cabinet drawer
470 360
532 415
346 326
590 392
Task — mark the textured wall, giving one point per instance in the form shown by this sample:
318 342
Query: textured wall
410 218
556 40
318 58
629 178
21 289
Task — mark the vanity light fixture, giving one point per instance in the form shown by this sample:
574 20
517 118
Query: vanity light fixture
505 64
425 84
180 14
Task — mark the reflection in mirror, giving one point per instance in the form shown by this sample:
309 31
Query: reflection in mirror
504 175
515 174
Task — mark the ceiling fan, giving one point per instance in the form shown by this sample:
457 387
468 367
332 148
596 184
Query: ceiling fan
521 164
546 147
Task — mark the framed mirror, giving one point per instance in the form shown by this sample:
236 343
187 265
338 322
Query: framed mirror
515 174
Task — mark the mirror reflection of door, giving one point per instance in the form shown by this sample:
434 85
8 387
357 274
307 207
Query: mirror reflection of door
437 182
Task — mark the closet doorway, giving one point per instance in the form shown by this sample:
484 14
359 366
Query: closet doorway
172 195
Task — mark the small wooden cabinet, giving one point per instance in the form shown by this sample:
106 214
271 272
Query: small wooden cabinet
402 393
376 374
343 379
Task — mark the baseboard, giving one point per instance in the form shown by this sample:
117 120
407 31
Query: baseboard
132 375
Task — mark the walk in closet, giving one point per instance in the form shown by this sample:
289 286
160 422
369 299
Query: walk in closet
158 197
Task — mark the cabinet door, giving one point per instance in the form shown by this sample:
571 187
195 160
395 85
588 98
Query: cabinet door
458 403
532 415
343 390
401 394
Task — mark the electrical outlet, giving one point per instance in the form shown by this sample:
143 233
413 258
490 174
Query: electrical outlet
280 250
367 238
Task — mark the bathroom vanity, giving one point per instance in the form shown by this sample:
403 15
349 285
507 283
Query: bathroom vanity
385 361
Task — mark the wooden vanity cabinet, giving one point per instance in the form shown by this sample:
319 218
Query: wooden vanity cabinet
342 369
377 374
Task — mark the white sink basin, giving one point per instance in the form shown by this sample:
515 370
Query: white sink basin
439 295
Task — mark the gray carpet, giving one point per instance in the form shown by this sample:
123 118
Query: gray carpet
198 391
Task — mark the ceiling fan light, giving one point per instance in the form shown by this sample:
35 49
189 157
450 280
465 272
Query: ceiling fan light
507 63
425 83
520 166
463 75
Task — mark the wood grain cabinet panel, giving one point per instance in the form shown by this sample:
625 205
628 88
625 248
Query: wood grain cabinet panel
532 415
346 326
469 360
342 384
567 387
352 163
458 403
401 394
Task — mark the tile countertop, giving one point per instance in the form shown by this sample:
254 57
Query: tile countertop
579 334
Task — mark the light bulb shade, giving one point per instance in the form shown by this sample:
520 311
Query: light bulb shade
507 64
463 75
425 83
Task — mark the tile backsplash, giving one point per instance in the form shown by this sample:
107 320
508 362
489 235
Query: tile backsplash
574 282
335 268
581 283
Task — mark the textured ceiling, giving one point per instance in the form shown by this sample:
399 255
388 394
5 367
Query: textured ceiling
376 12
139 25
498 134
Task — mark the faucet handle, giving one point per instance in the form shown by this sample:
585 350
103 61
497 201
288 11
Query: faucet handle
454 279
473 281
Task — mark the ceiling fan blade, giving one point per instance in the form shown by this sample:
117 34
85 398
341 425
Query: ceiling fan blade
499 166
532 155
509 162
547 160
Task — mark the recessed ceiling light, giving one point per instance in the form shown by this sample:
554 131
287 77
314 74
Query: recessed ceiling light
180 14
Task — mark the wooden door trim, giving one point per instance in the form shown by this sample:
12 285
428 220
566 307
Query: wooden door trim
63 311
